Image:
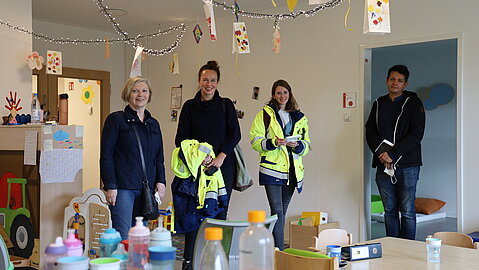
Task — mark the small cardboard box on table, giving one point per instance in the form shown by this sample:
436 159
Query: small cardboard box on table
302 236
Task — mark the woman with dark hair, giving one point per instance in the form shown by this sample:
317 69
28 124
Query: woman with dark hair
280 134
120 162
212 119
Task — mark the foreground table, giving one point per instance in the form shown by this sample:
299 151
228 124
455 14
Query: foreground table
411 255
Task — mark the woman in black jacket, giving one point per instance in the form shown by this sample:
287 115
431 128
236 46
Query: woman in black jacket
212 119
120 162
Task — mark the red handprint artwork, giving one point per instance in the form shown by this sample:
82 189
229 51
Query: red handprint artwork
13 104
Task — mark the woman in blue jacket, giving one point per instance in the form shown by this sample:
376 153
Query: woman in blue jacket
120 162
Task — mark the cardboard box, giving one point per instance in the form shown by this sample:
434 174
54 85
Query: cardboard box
318 217
302 237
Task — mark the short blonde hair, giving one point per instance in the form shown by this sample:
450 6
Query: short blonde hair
130 83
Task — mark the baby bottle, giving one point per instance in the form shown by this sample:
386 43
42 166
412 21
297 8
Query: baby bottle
160 236
74 245
53 252
138 240
109 240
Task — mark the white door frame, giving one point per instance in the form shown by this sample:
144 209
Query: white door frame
364 50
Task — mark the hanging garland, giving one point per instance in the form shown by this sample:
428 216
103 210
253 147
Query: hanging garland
276 17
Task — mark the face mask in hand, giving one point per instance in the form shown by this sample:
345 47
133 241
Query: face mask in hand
389 171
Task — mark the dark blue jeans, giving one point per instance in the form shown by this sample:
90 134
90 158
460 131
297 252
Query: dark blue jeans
399 197
279 198
127 207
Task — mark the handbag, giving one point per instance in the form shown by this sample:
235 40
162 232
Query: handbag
150 205
242 180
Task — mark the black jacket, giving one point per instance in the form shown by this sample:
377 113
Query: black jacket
212 121
408 133
120 163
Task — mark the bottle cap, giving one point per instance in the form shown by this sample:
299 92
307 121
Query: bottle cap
63 96
35 94
56 248
120 252
256 216
433 241
139 229
71 240
110 236
214 233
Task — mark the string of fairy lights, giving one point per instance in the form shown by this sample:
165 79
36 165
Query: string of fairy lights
125 38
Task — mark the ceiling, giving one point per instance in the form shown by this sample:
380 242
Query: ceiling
143 15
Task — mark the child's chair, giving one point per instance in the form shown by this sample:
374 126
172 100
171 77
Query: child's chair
338 237
456 239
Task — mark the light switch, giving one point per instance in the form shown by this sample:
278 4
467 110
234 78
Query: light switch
347 117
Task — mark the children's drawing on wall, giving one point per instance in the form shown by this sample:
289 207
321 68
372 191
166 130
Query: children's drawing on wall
255 94
174 115
35 61
376 17
87 94
54 62
175 102
13 107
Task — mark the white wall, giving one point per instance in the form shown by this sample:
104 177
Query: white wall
14 48
320 59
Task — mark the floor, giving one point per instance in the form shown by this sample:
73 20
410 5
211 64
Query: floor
423 229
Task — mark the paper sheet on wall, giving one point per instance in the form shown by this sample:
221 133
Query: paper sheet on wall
376 17
136 65
318 2
210 18
60 165
54 62
30 148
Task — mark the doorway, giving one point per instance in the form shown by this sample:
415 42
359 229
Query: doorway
89 105
431 62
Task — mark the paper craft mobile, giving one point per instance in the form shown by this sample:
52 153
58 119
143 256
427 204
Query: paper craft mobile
240 38
210 18
197 33
35 61
54 62
376 17
136 65
174 64
276 41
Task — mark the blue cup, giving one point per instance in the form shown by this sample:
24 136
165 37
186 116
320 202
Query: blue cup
162 257
334 251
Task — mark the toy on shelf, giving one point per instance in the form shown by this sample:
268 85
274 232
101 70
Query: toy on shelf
89 216
169 218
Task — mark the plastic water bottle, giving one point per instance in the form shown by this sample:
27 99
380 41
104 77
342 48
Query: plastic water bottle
160 236
213 256
138 240
256 245
53 252
74 245
36 109
109 240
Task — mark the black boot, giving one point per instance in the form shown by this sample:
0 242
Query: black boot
187 265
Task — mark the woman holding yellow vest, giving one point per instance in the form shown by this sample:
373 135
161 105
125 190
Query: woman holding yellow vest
280 134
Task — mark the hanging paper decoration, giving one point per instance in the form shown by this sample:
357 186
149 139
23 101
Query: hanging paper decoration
107 49
87 94
35 61
318 2
291 4
197 33
376 17
54 62
210 18
174 64
276 41
136 65
240 38
274 4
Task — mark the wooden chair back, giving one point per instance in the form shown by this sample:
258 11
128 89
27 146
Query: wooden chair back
285 261
455 239
338 237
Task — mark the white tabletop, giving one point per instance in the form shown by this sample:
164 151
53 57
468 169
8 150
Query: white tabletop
411 255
